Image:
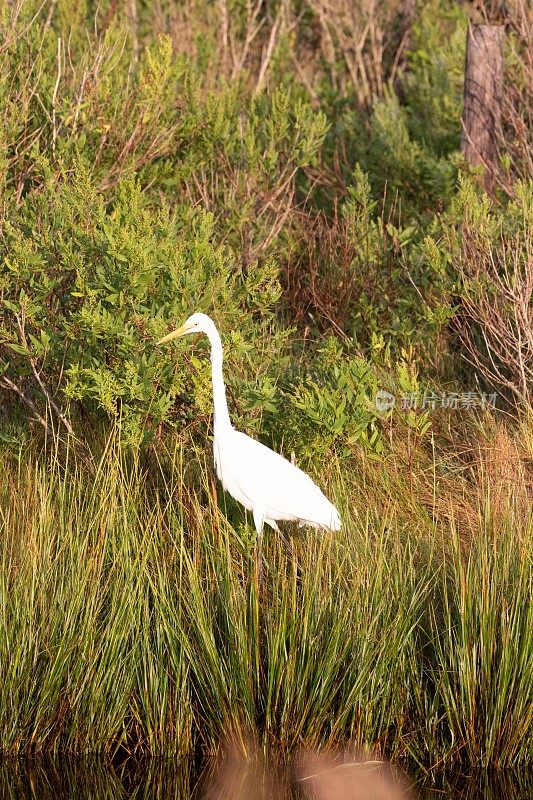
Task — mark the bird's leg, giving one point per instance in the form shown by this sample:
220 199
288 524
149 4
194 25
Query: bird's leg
273 524
287 540
259 522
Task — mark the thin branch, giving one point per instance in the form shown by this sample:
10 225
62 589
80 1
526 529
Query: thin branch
44 388
8 384
271 45
54 94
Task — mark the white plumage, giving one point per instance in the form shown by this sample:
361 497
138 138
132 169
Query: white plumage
261 480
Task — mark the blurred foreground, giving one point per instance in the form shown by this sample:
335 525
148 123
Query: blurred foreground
314 778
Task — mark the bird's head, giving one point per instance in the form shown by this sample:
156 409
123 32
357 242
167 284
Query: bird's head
197 323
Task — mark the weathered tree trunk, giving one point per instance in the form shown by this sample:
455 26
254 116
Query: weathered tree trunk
483 98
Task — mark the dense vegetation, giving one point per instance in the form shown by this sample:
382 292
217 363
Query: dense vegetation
133 614
292 168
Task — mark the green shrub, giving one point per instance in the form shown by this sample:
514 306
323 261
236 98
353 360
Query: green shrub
330 405
187 137
432 83
87 289
371 279
414 180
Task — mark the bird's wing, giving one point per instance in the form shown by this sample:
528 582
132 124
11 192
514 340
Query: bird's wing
271 482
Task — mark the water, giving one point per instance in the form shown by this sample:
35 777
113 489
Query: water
84 779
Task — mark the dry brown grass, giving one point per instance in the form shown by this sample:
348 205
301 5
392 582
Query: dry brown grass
368 37
475 468
495 323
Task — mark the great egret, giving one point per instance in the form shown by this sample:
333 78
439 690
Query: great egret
264 482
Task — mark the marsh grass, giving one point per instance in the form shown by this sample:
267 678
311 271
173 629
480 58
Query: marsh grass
137 615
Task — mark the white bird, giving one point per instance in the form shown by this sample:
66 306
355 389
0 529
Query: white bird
261 480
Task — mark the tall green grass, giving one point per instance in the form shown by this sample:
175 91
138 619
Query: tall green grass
136 613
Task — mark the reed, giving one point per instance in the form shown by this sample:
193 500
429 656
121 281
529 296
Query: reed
136 614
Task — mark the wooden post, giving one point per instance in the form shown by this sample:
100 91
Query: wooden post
483 98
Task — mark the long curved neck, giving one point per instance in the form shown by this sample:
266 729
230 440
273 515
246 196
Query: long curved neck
220 405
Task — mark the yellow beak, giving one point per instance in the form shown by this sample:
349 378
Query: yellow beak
174 335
